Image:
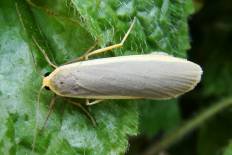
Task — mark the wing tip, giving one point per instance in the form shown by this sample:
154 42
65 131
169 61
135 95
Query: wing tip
199 73
197 79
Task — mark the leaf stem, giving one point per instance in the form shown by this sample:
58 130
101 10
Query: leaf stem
195 122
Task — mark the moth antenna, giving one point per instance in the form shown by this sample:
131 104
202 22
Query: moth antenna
36 117
51 108
44 53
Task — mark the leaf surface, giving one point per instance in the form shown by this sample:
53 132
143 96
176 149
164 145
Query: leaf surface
65 30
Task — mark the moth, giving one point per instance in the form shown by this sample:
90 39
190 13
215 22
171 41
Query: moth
155 76
147 76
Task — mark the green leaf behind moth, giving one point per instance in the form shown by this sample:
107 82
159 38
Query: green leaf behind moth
158 117
66 29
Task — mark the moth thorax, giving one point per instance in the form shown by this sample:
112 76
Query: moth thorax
46 81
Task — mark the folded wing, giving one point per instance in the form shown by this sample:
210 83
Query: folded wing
140 76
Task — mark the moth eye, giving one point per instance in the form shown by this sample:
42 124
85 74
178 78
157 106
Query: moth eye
61 82
47 74
47 88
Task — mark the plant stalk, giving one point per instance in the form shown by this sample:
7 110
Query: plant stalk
179 133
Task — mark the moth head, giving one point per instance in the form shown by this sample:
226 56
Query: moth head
46 81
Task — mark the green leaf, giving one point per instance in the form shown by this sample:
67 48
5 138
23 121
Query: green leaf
68 131
158 116
66 29
161 25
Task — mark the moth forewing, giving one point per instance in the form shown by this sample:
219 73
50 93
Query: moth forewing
151 76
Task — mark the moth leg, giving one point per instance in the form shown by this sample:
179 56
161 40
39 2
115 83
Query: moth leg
83 56
92 47
86 112
44 53
92 103
105 49
51 108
